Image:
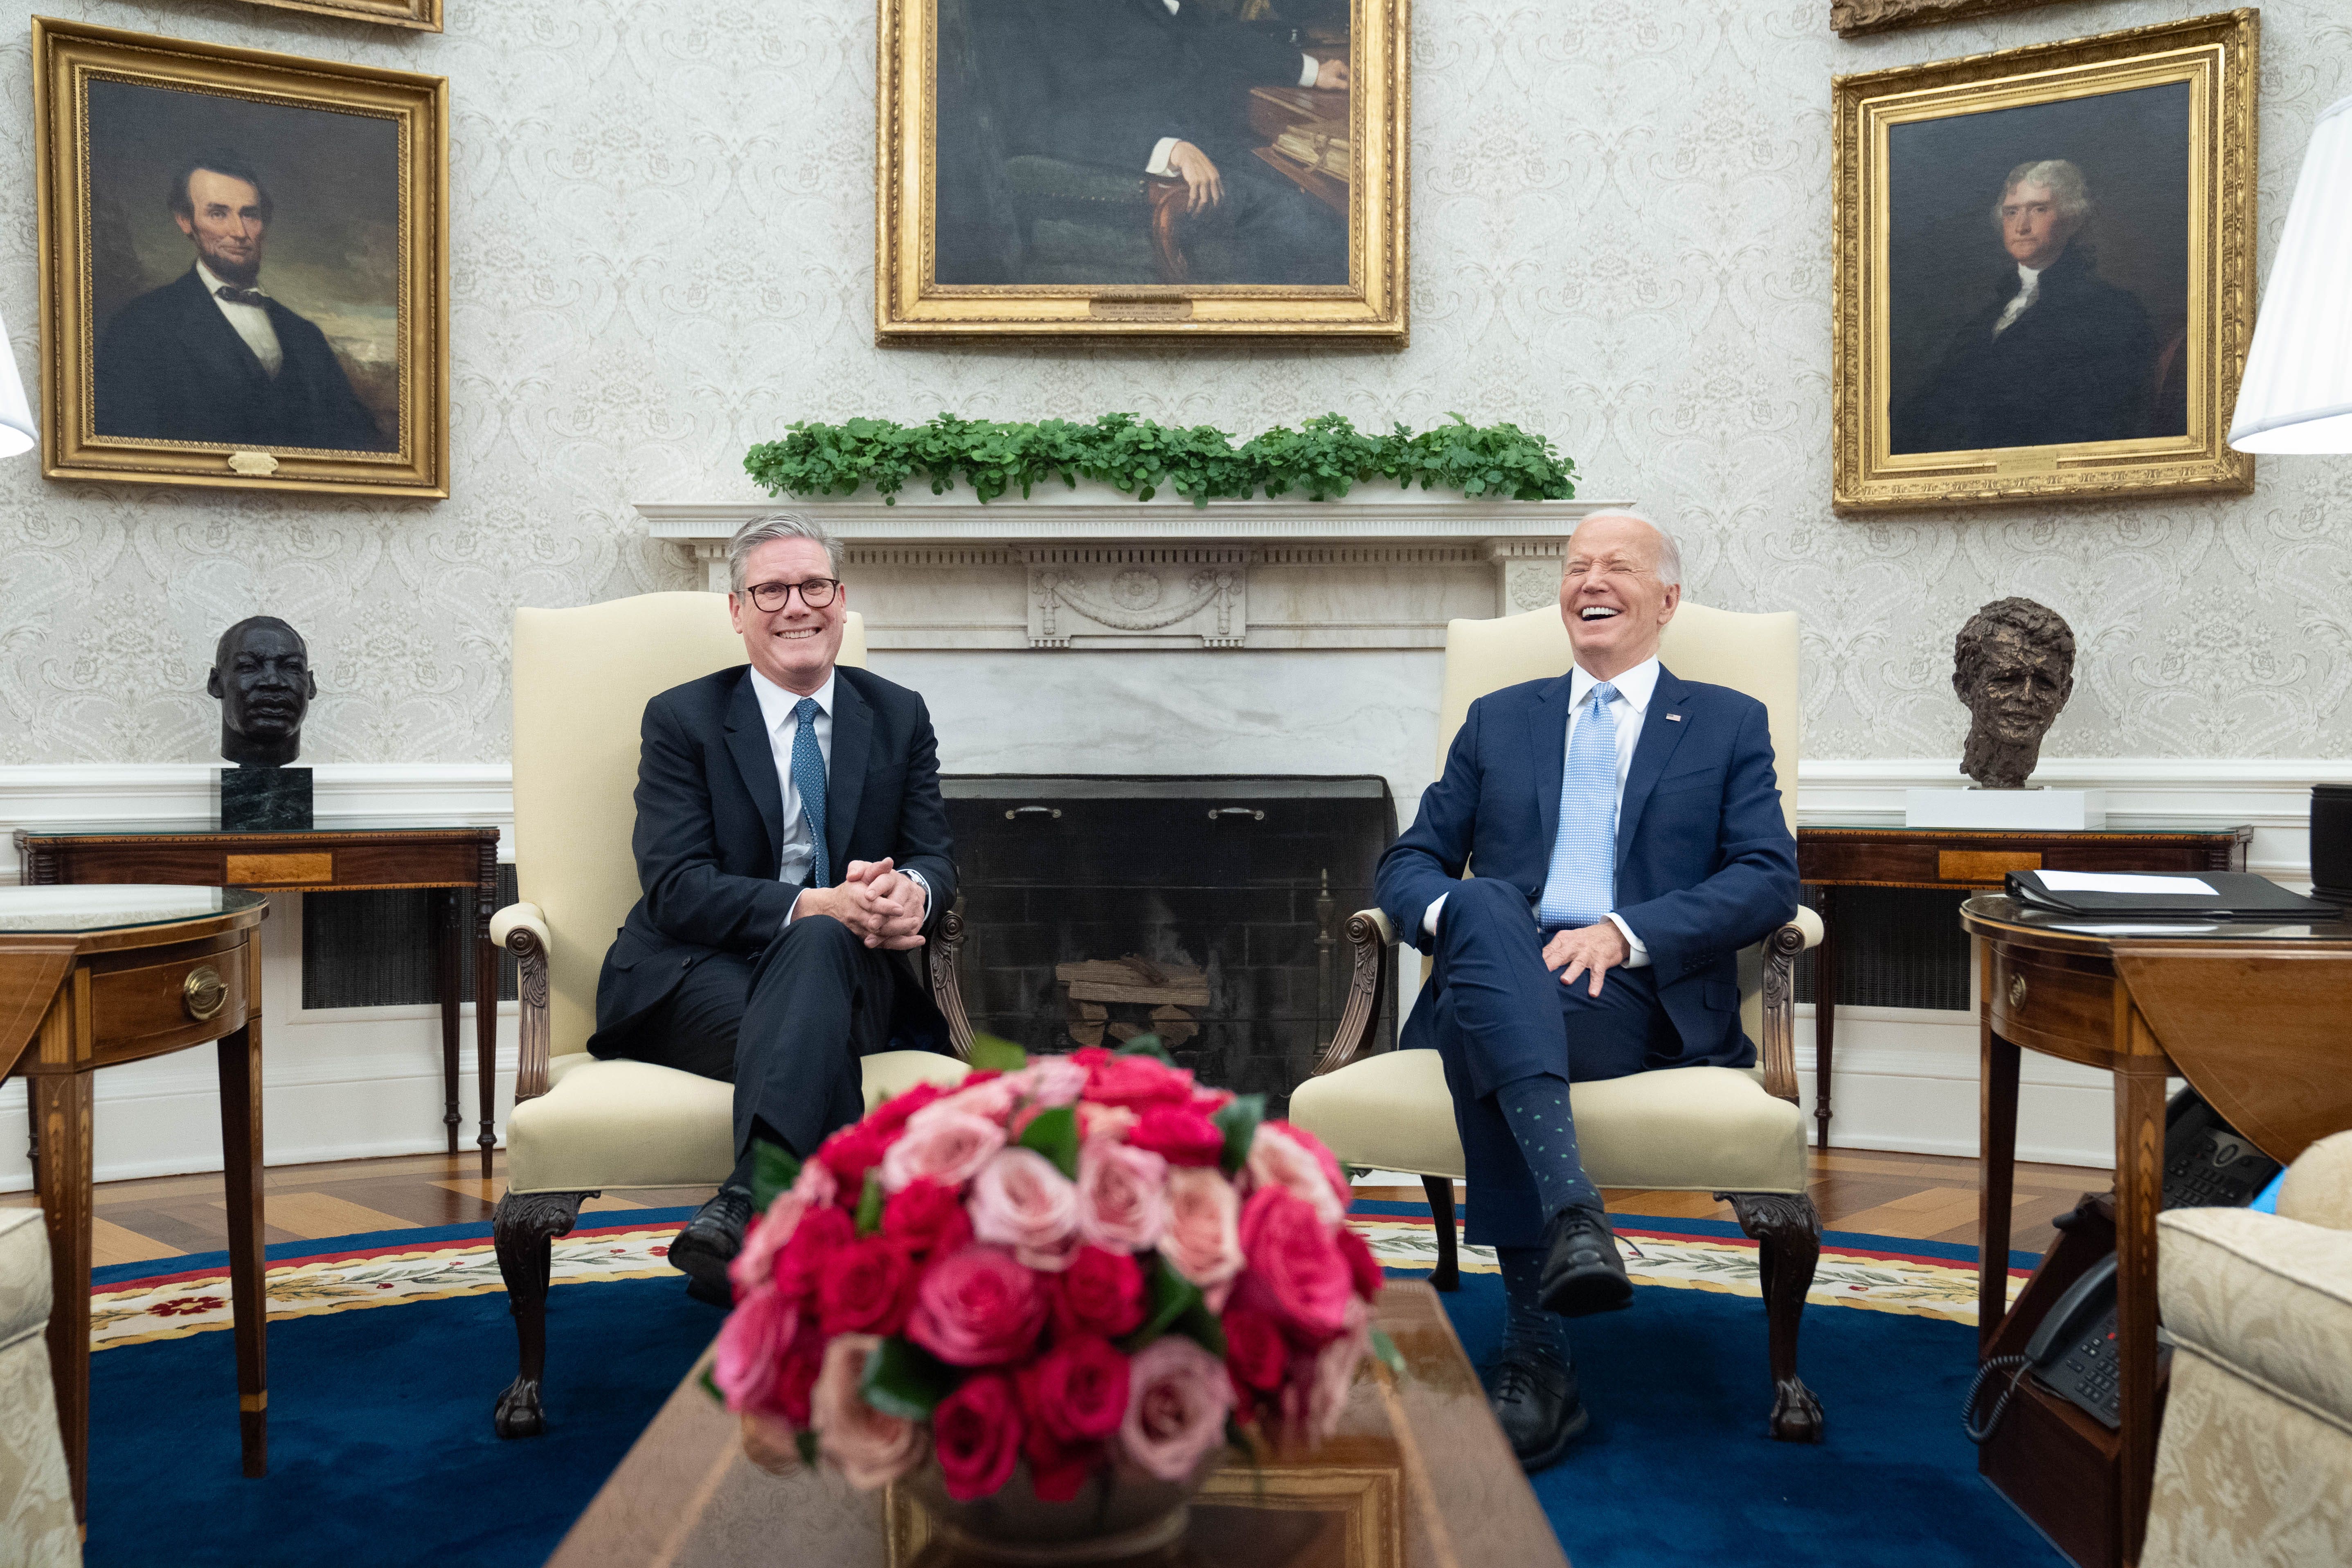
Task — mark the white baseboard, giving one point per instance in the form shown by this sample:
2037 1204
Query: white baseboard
351 1083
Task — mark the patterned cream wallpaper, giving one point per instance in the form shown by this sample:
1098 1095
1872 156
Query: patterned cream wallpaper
663 244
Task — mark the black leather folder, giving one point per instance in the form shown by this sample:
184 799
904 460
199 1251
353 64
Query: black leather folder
2236 895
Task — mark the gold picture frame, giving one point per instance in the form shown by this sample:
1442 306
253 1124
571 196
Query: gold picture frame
1853 18
2144 143
328 369
422 15
1049 230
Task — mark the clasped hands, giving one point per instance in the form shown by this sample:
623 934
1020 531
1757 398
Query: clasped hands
873 899
1596 947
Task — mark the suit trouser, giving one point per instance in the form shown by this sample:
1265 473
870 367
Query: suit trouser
1503 1016
1283 234
786 1028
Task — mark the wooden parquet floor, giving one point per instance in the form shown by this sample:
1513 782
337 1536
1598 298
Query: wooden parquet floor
1922 1197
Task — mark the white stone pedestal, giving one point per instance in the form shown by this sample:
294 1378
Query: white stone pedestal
2029 810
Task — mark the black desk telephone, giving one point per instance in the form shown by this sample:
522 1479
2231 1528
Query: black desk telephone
2072 1353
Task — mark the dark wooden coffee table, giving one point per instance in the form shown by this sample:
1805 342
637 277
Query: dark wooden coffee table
1419 1478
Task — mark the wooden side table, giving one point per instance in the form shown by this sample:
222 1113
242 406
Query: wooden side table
455 860
90 977
2253 1016
1834 855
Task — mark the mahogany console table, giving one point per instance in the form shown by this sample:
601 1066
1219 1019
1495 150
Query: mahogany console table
90 978
454 861
1834 855
2253 1016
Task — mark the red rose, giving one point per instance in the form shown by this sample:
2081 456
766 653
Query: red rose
1092 1055
850 1153
1295 1270
1077 1390
1057 1470
1100 1293
977 1307
1254 1351
868 1288
1363 1268
802 1359
976 1431
1137 1081
926 1215
1180 1134
891 1114
802 1262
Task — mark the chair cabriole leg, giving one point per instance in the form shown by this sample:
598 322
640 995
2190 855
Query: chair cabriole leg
524 1230
1447 1275
1787 1228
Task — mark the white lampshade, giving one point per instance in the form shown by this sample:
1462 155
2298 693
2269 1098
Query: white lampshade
16 415
2298 392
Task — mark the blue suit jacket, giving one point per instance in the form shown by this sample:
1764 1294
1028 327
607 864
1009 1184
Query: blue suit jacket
1706 865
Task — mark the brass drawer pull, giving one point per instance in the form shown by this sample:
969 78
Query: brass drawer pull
2017 991
203 992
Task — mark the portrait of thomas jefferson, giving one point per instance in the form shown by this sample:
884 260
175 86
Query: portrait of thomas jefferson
2053 352
214 355
1059 119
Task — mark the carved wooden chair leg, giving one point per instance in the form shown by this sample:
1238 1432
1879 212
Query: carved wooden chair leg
1787 1232
1447 1275
524 1230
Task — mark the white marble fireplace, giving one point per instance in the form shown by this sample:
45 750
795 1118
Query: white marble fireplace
1085 632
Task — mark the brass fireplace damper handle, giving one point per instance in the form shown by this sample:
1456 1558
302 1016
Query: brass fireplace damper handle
1053 813
1217 811
203 992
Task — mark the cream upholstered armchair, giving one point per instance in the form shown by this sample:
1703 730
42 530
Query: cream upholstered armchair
2255 1466
582 1126
36 1508
1739 1134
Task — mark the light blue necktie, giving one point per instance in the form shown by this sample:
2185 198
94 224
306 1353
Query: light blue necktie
808 778
1582 887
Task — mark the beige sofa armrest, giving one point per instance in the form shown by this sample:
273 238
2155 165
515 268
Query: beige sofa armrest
522 930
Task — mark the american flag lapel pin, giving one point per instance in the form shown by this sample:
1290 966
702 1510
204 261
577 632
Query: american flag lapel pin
1674 718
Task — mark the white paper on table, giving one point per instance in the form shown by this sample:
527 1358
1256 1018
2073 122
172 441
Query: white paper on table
2123 882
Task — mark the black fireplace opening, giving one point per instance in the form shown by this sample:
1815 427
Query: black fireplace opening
1209 911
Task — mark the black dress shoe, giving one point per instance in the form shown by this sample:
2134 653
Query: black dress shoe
1583 1272
1536 1403
710 1243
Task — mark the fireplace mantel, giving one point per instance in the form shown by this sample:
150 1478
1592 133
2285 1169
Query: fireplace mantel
1089 568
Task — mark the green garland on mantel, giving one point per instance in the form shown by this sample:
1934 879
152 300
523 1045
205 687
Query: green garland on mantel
1323 458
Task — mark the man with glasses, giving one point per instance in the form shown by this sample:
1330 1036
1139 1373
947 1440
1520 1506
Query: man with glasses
1624 831
790 839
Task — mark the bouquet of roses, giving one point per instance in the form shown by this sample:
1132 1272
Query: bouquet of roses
1076 1260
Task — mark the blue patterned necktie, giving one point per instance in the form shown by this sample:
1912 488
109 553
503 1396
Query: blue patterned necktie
1582 887
808 778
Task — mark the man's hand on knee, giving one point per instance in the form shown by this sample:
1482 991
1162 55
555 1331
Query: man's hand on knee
1596 947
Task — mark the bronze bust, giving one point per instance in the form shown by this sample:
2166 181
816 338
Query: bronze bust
261 673
2013 666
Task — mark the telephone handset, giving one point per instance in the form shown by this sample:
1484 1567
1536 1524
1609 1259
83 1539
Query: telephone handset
2072 1353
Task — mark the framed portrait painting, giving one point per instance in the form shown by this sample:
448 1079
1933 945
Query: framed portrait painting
2044 271
1140 167
244 267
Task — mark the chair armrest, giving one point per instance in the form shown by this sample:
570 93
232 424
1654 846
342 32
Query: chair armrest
1369 937
1779 1043
947 993
522 930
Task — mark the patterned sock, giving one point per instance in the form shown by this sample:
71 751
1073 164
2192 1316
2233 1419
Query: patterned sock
1537 1110
1526 1327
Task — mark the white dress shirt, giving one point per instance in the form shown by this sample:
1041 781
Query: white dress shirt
2029 280
251 322
1309 68
1632 705
798 851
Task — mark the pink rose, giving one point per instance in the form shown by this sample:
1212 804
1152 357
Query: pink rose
1283 1156
991 1099
815 1185
1204 1241
943 1143
1050 1081
1296 1268
1334 1372
756 1265
1019 1200
1182 1134
751 1347
1178 1398
1110 1121
1137 1081
977 1308
870 1449
1122 1195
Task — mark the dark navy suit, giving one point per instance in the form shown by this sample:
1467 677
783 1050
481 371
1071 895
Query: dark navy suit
1706 866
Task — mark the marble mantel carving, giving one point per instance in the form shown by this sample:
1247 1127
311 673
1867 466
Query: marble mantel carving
1091 569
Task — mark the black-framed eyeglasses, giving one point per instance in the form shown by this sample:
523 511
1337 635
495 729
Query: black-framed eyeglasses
816 592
